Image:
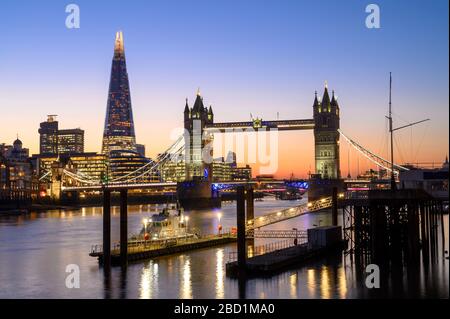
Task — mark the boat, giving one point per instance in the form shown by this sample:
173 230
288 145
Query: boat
168 226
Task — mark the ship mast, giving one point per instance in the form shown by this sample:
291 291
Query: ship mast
392 130
393 185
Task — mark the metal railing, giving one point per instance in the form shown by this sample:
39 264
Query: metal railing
138 245
269 248
294 233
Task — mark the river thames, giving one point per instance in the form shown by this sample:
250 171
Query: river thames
35 250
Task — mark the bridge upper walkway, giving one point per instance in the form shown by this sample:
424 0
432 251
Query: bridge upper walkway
288 213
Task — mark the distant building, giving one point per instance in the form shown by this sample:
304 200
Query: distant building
242 173
89 164
173 171
221 170
122 163
16 171
71 141
52 140
4 173
140 148
48 136
433 181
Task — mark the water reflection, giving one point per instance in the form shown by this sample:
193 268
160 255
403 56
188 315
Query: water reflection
186 284
342 283
311 283
149 281
220 292
56 238
293 281
325 283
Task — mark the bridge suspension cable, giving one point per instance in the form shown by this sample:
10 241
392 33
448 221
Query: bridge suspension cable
45 175
80 179
160 160
377 160
148 169
153 164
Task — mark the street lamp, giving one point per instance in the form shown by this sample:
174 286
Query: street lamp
296 236
145 221
219 227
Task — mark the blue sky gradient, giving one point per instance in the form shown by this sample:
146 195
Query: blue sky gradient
259 57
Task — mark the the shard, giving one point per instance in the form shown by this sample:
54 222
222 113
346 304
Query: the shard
119 133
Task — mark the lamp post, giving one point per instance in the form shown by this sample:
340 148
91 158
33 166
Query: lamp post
145 221
296 236
186 218
219 227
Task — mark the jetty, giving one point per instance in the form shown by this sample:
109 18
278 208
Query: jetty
146 250
321 241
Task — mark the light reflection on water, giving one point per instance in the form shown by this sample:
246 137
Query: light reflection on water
35 249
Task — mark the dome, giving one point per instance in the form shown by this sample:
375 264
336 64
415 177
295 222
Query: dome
17 144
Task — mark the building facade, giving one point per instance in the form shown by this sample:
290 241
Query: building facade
48 136
129 166
118 132
71 141
326 136
52 140
195 119
17 178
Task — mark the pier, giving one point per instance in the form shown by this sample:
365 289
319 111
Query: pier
142 250
285 255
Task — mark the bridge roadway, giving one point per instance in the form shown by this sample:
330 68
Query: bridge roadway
119 186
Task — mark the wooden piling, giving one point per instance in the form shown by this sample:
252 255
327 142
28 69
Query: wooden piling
240 216
123 227
107 229
334 208
250 204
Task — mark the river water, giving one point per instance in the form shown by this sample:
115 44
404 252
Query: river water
36 249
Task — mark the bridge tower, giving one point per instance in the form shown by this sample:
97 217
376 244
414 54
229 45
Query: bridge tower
326 136
57 169
198 143
195 191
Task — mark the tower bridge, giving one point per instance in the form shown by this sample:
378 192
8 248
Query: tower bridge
200 125
197 187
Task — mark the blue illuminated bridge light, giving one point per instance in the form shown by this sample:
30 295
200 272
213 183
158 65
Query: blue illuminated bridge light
219 186
297 184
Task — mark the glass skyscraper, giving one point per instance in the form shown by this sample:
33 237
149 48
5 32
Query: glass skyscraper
119 127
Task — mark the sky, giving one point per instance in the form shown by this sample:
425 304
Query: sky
264 58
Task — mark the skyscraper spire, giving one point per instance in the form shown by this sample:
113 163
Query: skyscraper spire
119 48
119 133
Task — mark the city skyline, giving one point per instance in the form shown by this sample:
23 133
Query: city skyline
235 77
